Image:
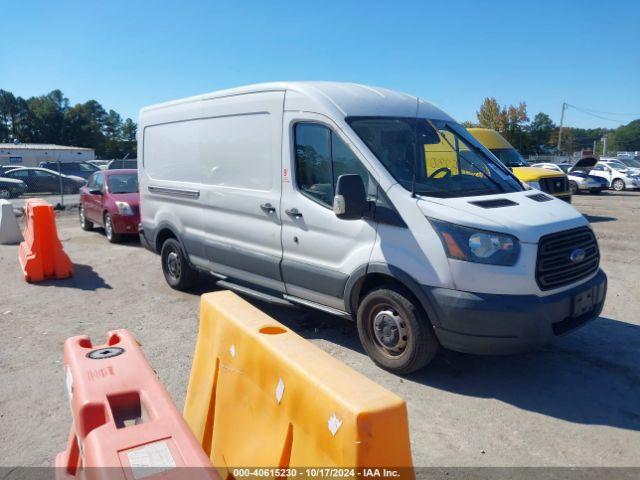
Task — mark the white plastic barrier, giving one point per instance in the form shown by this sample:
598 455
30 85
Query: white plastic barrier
9 231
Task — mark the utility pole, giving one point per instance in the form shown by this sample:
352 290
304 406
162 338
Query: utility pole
564 107
594 147
604 145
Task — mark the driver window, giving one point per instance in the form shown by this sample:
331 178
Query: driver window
320 158
345 162
314 174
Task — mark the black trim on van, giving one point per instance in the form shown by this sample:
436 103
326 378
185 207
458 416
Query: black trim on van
265 265
356 280
321 280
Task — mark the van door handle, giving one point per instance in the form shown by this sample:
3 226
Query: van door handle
267 207
293 213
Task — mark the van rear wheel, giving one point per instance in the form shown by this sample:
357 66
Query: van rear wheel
175 266
395 331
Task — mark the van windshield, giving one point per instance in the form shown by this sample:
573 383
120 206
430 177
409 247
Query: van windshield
433 158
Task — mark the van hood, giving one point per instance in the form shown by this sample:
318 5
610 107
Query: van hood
528 219
584 164
533 174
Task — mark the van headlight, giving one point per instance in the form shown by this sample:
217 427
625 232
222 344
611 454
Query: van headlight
479 246
124 209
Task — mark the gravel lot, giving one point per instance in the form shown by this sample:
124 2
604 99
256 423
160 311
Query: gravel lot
576 402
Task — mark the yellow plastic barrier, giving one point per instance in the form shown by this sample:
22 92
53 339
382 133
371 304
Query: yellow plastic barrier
262 396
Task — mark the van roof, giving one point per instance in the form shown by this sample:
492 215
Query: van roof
347 99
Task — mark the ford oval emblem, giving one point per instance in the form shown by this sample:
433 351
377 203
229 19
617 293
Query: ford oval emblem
577 255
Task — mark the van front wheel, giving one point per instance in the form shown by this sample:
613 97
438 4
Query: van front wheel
395 331
177 271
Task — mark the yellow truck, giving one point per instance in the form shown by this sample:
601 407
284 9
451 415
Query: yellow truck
551 182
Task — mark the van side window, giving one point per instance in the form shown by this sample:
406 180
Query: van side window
345 162
321 157
314 173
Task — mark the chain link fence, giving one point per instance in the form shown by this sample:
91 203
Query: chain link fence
57 182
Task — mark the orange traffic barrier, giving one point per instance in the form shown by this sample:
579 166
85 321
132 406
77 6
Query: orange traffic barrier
125 425
261 395
40 254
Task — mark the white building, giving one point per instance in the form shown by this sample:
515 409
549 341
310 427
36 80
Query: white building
31 154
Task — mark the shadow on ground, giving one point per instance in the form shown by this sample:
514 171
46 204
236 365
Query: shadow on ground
619 194
126 240
599 218
591 376
84 278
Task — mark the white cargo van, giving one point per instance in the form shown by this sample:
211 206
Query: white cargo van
318 194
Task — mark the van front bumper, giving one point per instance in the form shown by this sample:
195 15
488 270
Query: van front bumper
495 324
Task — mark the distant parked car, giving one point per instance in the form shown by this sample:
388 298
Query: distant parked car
617 174
111 199
120 164
10 187
578 181
76 169
6 168
43 180
630 162
101 164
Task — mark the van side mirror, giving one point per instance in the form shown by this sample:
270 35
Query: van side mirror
95 191
350 200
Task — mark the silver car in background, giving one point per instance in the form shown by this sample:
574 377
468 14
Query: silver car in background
578 181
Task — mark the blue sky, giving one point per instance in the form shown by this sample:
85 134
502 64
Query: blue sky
127 54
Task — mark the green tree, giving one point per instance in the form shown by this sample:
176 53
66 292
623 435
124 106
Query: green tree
48 116
15 117
83 125
491 115
540 130
129 131
626 137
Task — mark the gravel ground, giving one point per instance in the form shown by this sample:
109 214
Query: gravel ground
574 403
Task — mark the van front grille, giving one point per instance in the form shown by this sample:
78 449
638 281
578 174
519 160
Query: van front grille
566 257
554 185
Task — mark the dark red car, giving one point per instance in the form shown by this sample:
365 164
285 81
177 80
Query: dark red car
111 199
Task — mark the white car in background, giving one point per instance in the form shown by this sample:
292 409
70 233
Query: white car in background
631 163
619 175
578 181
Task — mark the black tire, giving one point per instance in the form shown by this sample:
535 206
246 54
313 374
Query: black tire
5 193
175 266
111 235
573 186
618 185
399 320
84 223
